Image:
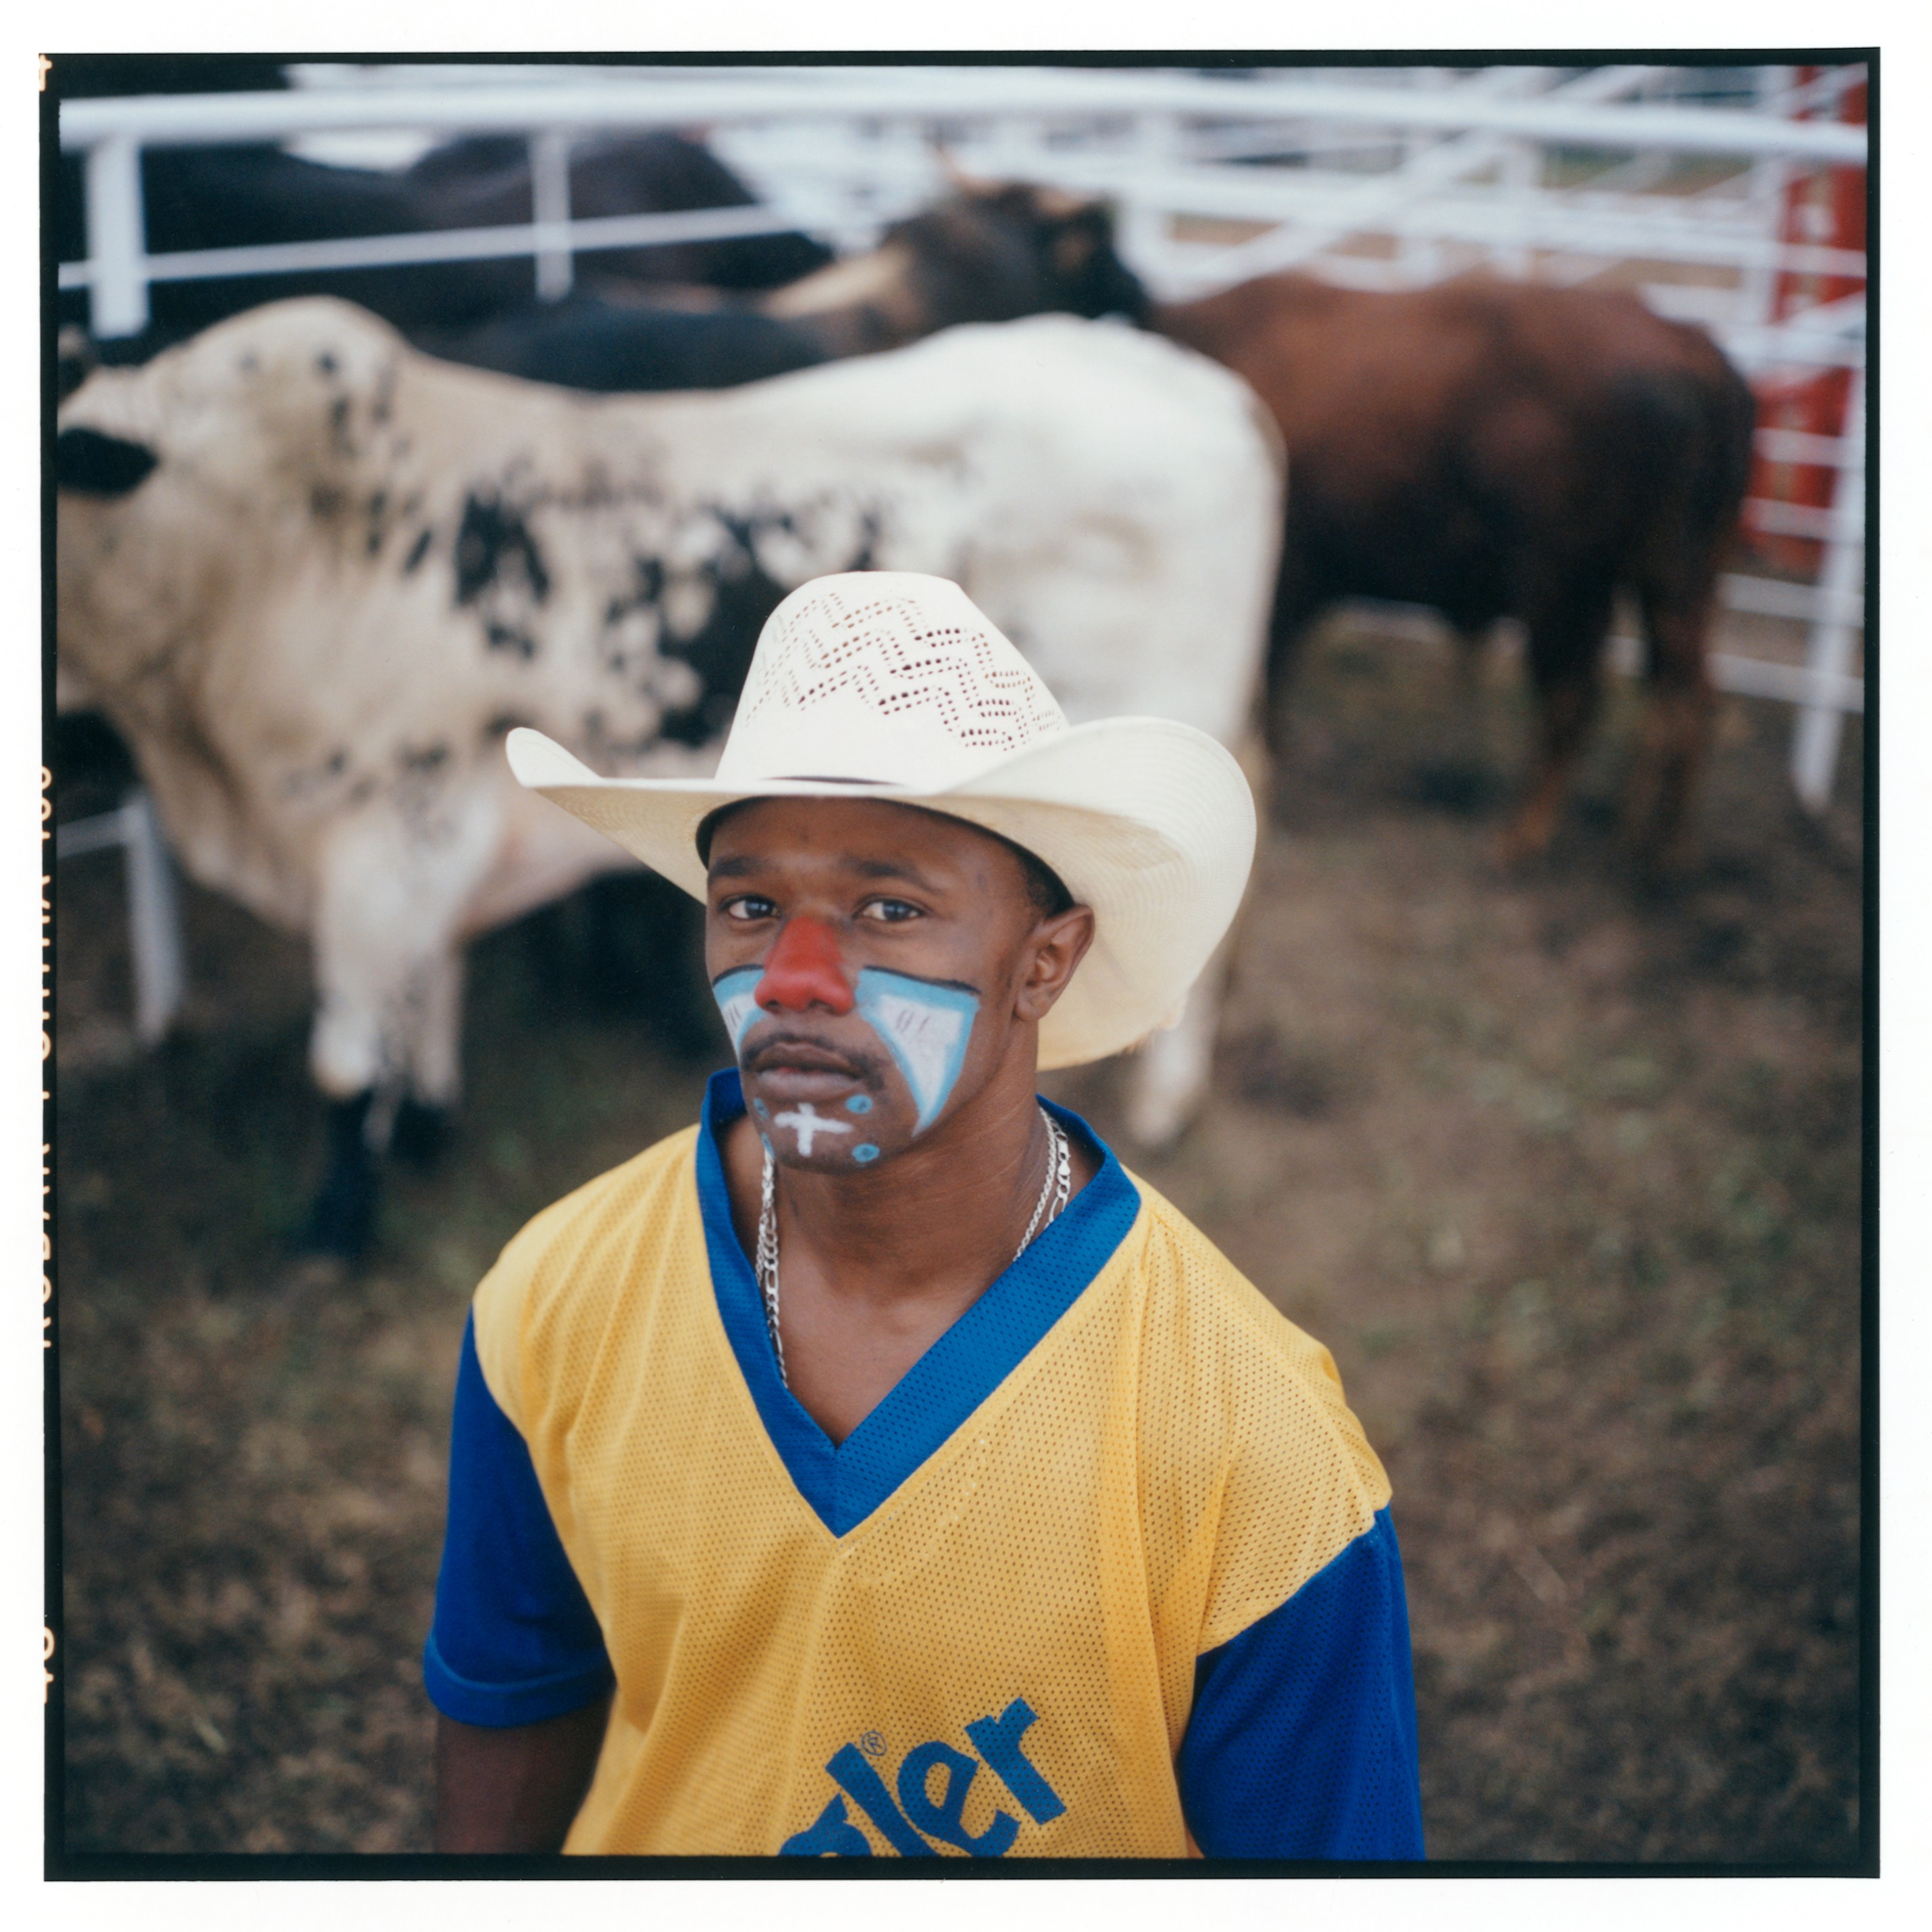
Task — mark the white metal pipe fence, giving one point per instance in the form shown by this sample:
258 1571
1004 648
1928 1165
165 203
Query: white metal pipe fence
156 955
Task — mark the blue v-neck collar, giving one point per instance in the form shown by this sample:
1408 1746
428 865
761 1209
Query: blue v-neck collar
844 1484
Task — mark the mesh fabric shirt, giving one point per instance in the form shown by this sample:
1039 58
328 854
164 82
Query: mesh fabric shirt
1113 1560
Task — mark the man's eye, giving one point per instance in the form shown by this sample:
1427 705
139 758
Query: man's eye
889 911
747 907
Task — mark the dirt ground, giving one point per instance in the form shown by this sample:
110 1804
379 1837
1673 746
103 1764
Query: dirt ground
1565 1170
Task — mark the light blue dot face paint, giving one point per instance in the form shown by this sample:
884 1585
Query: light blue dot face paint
860 1103
926 1027
865 1153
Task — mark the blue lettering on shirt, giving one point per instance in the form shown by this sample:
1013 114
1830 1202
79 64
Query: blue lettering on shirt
945 1820
830 1835
998 1739
833 1834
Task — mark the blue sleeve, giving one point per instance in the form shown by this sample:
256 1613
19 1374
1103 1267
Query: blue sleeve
1301 1744
514 1640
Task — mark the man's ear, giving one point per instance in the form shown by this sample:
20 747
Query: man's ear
1054 948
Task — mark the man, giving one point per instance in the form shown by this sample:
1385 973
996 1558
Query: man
879 1468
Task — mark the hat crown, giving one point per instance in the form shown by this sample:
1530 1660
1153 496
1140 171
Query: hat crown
884 677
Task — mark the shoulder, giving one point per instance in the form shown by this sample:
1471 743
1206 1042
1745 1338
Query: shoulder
1249 1445
569 1263
1200 1307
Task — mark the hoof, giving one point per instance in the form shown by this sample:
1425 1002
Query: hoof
344 1216
421 1134
339 1226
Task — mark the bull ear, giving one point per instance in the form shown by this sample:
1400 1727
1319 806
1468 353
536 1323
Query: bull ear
1061 205
88 463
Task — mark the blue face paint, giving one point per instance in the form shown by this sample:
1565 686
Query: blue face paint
925 1026
733 991
865 1153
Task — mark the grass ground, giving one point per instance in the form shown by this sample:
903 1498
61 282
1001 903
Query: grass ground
1565 1171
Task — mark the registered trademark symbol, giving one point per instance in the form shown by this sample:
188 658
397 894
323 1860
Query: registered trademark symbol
872 1745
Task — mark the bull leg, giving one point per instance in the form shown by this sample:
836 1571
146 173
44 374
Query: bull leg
388 984
1297 599
1677 720
373 1007
402 1035
1169 1076
1457 777
343 1212
1564 651
432 1046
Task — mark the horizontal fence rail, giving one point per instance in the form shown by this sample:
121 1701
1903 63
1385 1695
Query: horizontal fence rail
834 94
449 244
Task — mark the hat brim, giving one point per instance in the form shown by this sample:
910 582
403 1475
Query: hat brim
1149 822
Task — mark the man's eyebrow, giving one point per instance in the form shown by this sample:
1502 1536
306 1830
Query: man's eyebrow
749 865
892 869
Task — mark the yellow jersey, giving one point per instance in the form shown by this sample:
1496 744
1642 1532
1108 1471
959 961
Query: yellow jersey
1112 1559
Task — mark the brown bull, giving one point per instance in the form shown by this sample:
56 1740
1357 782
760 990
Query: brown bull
1493 450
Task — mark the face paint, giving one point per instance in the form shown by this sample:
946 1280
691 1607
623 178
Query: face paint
925 1024
808 1124
733 992
805 969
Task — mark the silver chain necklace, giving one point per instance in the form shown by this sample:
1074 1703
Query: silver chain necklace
1056 1187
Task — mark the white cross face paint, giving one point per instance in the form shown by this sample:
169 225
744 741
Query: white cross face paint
924 1026
808 1124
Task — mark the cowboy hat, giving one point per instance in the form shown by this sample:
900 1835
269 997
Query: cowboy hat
888 684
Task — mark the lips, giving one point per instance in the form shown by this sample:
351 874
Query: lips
794 1066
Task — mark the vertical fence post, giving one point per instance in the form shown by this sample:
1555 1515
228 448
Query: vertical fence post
154 921
1814 744
1770 175
1519 172
549 210
116 244
1146 231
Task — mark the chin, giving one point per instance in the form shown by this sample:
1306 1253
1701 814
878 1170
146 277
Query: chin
841 1131
818 1163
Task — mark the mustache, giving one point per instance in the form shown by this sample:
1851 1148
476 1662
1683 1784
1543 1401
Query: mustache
764 1049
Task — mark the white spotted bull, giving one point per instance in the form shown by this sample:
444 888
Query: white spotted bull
314 577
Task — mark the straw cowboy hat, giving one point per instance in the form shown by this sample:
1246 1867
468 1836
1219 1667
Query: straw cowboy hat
884 684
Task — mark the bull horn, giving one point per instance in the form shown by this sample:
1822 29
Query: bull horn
1061 204
962 182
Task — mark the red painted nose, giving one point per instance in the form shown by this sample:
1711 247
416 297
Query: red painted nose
804 970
